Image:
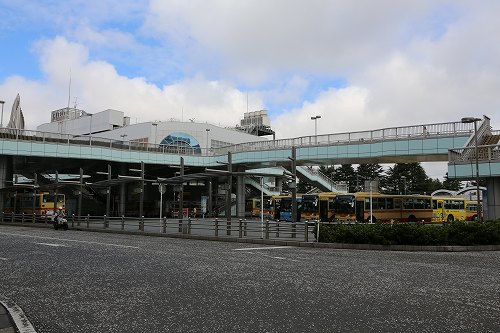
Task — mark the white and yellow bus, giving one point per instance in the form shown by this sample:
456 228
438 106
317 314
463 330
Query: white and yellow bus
448 209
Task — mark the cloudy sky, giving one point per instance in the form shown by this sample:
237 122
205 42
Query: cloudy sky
359 64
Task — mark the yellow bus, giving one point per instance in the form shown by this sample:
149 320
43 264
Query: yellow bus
252 207
276 205
448 209
318 206
376 207
39 204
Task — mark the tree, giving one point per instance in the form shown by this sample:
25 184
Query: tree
407 178
346 173
451 184
365 172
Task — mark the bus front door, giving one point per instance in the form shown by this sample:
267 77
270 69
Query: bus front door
360 211
323 210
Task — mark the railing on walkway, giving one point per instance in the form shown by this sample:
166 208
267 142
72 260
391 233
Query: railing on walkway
393 133
217 228
331 184
468 154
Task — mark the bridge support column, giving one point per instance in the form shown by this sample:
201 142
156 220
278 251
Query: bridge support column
240 196
123 191
492 202
6 175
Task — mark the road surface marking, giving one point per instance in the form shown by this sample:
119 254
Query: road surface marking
52 244
3 258
268 256
70 240
263 248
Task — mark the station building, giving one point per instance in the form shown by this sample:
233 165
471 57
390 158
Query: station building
113 124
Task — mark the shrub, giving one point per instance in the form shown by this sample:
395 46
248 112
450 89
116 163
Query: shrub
456 233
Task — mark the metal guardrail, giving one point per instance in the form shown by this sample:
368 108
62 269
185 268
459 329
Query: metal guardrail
468 154
218 228
392 133
332 185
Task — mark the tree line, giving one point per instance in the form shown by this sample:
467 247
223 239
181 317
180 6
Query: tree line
402 178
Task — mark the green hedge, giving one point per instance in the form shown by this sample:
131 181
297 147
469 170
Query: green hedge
456 233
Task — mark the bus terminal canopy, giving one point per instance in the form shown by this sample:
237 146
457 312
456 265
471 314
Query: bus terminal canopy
209 173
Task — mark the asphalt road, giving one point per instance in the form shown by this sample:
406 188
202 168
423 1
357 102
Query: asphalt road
74 281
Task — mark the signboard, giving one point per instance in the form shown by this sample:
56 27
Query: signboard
204 200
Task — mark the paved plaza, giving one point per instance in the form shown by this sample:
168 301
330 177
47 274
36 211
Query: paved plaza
77 281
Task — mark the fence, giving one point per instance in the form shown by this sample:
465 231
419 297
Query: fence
242 228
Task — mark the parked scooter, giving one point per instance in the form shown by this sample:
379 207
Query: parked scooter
60 221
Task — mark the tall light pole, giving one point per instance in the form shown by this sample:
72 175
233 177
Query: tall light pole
208 130
468 120
2 102
404 184
315 118
90 130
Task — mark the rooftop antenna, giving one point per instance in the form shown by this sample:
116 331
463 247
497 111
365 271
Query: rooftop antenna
69 87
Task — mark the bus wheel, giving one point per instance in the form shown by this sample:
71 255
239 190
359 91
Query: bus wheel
373 219
412 218
450 218
474 218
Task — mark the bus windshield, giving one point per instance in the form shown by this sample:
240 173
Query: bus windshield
309 204
344 204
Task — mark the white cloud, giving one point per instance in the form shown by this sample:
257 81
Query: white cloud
403 63
98 86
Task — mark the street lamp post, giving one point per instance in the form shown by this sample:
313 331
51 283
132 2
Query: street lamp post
315 118
404 184
2 102
467 120
208 130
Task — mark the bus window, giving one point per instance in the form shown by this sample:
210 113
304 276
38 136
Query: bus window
408 203
397 203
390 203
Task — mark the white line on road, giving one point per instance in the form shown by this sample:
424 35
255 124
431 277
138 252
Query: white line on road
52 244
71 240
263 248
272 257
3 258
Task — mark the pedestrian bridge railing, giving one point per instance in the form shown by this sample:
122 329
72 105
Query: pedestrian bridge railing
392 133
488 153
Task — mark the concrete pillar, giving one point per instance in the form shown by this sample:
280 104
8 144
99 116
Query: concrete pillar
240 196
6 175
123 190
492 199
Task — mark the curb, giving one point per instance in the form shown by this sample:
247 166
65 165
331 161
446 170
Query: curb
21 322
